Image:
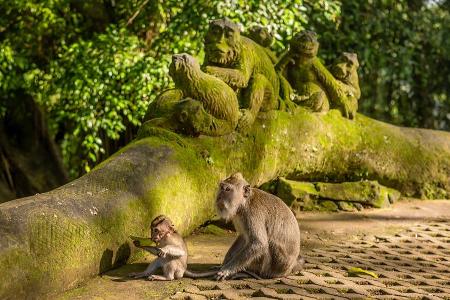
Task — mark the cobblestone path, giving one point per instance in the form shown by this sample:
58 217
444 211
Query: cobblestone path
414 264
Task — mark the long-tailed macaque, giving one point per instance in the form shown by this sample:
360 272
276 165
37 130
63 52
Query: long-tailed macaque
171 251
269 237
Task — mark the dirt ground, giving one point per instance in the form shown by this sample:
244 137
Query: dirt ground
407 246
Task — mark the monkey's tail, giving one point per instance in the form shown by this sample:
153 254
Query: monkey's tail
194 275
300 265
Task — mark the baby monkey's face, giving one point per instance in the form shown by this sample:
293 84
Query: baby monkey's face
161 231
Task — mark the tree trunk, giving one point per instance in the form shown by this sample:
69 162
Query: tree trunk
29 160
54 241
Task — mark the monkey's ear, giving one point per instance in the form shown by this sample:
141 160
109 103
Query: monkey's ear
247 191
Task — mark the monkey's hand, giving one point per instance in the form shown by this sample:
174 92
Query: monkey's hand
161 253
223 274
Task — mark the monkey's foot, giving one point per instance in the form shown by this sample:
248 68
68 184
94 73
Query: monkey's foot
222 275
157 278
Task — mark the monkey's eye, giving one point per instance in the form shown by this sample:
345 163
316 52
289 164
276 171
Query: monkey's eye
227 189
155 230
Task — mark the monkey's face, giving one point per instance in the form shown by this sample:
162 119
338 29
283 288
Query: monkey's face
345 66
231 196
305 44
261 35
161 231
181 65
222 42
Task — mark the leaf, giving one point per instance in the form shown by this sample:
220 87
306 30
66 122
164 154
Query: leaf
356 272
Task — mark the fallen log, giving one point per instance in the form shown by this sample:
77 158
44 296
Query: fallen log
54 241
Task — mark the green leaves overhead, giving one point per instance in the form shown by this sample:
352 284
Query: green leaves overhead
94 66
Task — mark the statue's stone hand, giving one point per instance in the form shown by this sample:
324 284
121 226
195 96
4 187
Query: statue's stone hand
299 98
215 71
246 120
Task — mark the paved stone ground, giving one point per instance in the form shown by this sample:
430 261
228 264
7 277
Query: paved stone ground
413 264
407 246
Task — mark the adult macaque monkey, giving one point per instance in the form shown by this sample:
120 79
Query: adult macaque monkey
269 237
171 251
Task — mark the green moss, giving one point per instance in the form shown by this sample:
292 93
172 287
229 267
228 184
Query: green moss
345 206
327 205
96 213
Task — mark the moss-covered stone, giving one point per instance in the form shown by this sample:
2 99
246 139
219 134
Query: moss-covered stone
56 240
327 205
345 206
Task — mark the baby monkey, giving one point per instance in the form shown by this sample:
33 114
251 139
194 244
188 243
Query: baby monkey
171 251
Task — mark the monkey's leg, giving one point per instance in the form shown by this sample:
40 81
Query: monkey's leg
300 264
244 258
318 102
169 269
258 95
151 268
236 247
195 120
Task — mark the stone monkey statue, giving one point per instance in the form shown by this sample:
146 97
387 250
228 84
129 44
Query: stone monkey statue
263 37
199 104
299 66
245 66
342 84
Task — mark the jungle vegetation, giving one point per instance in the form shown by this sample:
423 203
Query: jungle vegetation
76 77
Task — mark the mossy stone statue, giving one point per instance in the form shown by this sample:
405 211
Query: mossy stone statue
245 66
263 37
314 86
199 104
298 65
342 83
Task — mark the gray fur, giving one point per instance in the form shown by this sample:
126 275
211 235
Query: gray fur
269 237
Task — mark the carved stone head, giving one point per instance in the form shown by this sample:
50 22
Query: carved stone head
305 43
261 35
345 66
183 65
222 42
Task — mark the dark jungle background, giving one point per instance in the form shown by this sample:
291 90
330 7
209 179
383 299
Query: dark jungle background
77 76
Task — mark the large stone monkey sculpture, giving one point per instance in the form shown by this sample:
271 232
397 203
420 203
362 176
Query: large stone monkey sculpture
245 66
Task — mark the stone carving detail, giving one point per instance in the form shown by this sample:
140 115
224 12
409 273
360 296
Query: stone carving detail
245 66
242 77
199 104
300 66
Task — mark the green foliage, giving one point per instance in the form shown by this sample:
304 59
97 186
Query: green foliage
96 88
95 65
404 51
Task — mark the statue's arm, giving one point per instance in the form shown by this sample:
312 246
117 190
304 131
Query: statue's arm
285 58
237 77
331 84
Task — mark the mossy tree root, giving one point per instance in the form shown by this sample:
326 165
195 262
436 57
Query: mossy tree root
54 241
